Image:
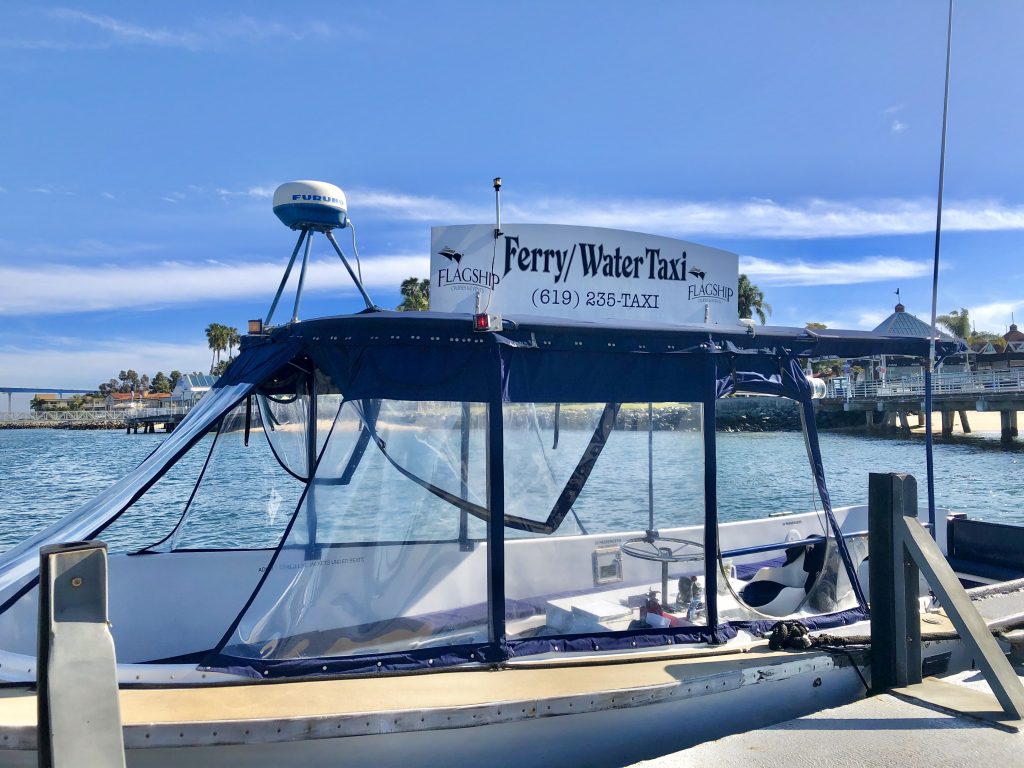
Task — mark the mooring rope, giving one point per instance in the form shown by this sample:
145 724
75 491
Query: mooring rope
795 636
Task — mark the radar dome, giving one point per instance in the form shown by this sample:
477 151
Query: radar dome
311 204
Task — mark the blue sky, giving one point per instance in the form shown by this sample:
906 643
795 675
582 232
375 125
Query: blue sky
141 142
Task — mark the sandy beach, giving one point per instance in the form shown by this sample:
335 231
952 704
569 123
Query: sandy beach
982 423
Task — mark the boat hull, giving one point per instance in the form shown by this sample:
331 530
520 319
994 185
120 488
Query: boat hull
585 714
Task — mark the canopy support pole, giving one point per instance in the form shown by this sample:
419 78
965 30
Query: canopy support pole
710 501
496 632
464 424
312 549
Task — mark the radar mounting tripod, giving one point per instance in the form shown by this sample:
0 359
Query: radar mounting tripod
306 234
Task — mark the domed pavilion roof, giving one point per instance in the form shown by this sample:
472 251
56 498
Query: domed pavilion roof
902 323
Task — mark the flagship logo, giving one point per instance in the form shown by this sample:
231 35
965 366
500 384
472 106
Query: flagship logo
464 278
697 272
705 291
451 254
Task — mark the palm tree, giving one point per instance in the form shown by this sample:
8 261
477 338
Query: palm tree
233 340
217 339
956 322
415 295
751 300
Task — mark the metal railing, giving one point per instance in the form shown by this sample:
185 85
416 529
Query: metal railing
119 414
1010 381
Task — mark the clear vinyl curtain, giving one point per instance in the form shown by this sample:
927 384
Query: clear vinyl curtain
19 566
373 562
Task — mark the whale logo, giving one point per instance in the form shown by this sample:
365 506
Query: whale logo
697 272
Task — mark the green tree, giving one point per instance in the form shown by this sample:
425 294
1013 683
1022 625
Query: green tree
957 322
175 378
415 295
751 300
997 341
816 326
161 384
130 381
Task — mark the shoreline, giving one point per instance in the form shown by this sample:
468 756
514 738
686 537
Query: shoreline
67 425
734 415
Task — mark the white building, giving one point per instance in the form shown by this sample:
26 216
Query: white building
191 387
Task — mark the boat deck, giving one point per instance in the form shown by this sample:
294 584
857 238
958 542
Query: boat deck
264 712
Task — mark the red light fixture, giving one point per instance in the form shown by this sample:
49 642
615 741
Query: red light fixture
484 322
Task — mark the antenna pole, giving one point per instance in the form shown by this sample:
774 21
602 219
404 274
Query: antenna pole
935 285
284 280
497 207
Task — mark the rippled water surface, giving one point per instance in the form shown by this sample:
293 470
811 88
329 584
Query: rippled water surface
44 474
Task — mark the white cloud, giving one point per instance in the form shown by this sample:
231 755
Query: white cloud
204 34
893 109
869 319
815 218
51 45
995 316
87 247
63 288
84 363
416 208
108 195
898 127
849 272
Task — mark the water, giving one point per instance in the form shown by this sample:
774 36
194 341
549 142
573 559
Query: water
44 474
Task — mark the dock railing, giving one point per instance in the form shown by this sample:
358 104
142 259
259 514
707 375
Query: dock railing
83 416
1008 381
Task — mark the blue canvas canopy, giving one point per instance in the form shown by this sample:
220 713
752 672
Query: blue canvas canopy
390 356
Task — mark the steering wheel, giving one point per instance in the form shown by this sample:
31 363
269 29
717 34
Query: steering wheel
662 549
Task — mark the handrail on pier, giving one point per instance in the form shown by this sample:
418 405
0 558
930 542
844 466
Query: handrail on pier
1006 381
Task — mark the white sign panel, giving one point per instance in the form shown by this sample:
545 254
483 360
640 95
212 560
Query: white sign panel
583 273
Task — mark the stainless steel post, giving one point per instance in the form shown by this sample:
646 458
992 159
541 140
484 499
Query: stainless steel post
79 712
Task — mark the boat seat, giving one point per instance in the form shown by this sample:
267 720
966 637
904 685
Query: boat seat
779 590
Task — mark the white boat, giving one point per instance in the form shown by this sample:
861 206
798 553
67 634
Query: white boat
479 552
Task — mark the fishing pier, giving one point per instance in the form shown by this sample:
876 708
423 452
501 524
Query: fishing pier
891 403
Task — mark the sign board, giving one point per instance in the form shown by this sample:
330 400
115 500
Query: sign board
581 273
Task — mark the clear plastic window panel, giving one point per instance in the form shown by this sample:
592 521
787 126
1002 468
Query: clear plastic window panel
154 515
245 497
759 506
374 562
628 552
